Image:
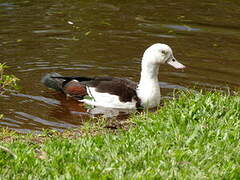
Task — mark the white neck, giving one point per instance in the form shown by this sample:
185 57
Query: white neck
148 89
149 71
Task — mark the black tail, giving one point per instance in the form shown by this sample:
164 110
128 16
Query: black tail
53 83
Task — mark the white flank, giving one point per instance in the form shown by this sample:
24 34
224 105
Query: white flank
107 100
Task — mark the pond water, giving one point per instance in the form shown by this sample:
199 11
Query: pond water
96 38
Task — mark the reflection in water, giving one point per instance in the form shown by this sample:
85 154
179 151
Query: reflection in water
108 112
107 38
49 101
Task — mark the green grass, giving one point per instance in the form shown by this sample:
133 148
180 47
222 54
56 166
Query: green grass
193 137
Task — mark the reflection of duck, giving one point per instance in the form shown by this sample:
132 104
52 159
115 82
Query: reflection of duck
119 93
72 112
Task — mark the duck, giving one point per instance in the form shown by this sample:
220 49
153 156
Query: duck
115 92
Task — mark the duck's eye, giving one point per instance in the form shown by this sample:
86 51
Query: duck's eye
164 52
173 60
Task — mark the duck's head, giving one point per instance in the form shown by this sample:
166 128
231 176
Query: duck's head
161 54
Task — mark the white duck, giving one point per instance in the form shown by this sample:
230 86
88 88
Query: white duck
112 92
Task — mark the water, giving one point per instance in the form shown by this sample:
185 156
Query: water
96 38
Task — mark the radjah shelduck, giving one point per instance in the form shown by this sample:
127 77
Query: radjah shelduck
121 93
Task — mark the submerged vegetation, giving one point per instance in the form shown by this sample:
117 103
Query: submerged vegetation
195 136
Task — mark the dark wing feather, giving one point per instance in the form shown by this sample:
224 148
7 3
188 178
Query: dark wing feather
70 78
73 85
76 87
124 88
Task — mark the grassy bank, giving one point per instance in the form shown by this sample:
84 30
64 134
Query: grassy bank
193 137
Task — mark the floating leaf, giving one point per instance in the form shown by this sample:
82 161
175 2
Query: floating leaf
70 22
87 33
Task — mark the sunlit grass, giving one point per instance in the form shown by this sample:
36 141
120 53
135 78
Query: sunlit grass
195 136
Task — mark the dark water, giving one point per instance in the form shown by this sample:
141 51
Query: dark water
96 38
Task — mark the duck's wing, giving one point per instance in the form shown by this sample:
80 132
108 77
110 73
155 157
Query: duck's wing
71 85
123 88
112 93
78 87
